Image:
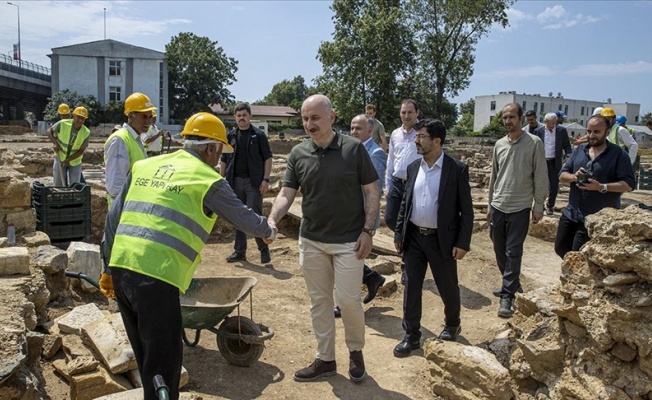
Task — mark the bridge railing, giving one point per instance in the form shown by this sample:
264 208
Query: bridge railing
25 68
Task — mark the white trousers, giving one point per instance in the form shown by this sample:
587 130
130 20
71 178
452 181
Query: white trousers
328 265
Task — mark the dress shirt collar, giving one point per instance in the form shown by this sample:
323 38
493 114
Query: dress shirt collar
439 163
131 130
367 143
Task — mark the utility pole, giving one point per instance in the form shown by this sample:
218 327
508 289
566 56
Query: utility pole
20 56
104 23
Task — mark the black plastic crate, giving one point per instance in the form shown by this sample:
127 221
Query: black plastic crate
68 231
46 197
645 180
69 213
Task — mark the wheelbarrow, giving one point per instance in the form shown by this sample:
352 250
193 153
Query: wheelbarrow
209 301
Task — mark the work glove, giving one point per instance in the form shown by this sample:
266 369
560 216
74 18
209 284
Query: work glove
106 286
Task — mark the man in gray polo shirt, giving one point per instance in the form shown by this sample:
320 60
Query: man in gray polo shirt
518 176
340 206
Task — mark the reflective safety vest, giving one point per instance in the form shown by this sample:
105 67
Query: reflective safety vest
70 143
134 148
163 227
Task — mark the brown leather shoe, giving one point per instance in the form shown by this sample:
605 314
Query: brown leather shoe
357 371
318 369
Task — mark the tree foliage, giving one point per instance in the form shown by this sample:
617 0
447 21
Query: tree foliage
370 51
74 100
646 117
468 107
495 127
290 93
446 33
199 73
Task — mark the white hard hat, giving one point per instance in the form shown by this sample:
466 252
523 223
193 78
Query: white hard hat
597 110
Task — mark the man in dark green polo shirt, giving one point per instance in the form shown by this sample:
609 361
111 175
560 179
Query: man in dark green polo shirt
340 205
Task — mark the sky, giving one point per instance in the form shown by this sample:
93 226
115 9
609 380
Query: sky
588 50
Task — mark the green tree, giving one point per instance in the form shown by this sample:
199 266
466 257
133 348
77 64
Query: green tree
495 127
646 117
446 33
464 125
468 107
199 73
414 87
371 50
74 100
289 93
114 113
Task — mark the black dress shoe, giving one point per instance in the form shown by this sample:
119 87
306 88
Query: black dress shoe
337 311
450 333
265 257
373 287
404 348
498 291
236 257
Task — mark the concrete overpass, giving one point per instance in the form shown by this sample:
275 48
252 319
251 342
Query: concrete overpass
24 87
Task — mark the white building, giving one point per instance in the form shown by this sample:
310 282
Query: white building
111 71
486 107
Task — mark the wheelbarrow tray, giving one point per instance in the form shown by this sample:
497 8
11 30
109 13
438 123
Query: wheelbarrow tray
209 300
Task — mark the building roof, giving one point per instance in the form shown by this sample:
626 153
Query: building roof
107 48
256 110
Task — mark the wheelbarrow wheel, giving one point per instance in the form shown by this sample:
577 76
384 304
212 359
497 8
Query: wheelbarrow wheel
237 352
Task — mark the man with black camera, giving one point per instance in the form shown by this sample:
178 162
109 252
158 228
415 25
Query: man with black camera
598 172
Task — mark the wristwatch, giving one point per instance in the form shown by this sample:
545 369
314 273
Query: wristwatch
370 232
266 180
604 188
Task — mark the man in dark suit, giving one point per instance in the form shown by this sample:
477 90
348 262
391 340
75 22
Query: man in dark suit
247 170
555 141
434 226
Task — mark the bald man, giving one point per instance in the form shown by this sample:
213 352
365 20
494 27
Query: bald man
331 170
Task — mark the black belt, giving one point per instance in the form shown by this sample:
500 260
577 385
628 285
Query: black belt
550 159
242 176
425 231
399 180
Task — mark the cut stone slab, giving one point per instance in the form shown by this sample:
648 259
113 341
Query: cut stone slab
35 239
85 258
459 371
74 347
78 317
108 338
80 365
14 260
51 346
51 259
100 382
622 278
390 286
382 265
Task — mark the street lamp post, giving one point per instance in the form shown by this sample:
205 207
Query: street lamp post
20 55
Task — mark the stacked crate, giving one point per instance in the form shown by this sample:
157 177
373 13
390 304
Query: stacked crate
64 213
645 179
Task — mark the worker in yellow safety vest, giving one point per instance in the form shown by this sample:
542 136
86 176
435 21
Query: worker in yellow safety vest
124 147
154 234
70 139
619 135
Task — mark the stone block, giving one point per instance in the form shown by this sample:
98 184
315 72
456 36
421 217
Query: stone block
74 347
99 382
574 330
73 321
24 220
14 190
35 239
382 265
390 286
459 371
51 259
34 346
622 278
623 352
85 258
107 337
546 229
14 260
51 346
535 301
543 355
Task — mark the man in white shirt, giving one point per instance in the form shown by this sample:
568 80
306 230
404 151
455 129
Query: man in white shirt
152 139
555 142
619 135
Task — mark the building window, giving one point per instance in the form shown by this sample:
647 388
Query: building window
566 109
582 111
114 68
274 121
541 109
493 106
524 105
559 108
115 94
536 105
161 80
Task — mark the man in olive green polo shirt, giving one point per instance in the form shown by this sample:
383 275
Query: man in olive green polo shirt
340 207
519 176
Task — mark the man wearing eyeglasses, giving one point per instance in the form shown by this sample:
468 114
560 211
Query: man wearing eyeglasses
598 173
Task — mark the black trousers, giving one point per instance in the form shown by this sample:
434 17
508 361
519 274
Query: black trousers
252 197
421 251
393 204
553 183
508 232
151 313
570 236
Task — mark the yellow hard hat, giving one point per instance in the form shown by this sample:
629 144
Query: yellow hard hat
63 109
81 111
209 126
608 112
138 102
154 113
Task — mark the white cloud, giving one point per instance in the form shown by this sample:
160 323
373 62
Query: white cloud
638 67
514 17
550 13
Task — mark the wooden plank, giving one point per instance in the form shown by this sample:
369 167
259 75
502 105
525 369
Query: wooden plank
383 244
